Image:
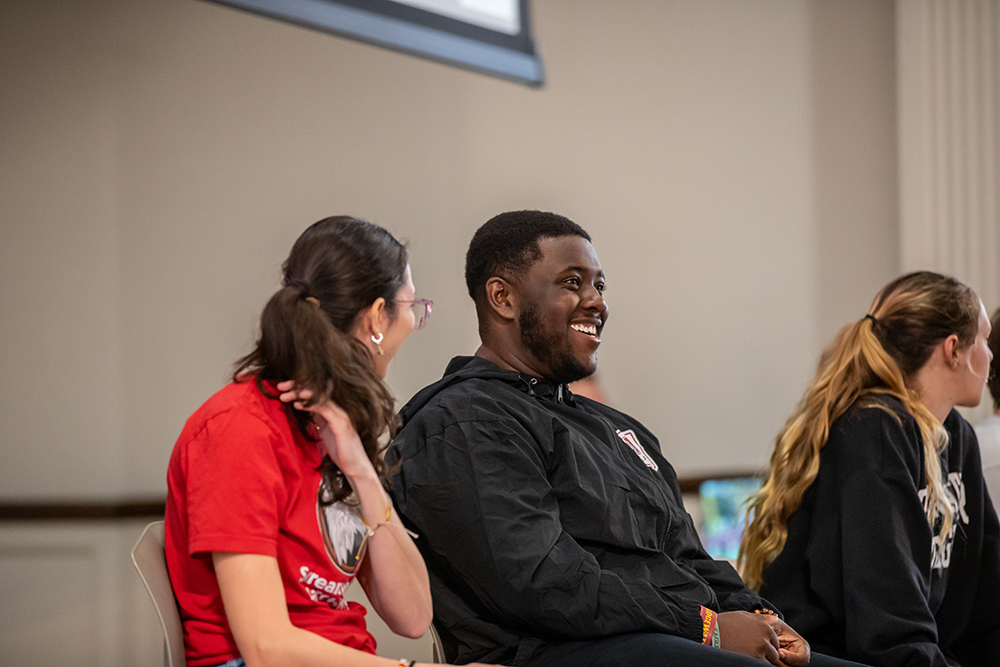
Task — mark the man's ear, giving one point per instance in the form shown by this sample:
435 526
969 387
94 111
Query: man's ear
501 298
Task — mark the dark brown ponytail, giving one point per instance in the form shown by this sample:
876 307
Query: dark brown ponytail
338 267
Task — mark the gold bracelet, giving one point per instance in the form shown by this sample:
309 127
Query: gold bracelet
388 514
370 531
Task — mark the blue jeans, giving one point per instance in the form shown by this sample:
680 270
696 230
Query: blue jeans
235 662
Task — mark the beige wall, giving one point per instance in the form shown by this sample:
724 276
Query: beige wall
734 162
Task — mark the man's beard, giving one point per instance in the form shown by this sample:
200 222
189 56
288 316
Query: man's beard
550 348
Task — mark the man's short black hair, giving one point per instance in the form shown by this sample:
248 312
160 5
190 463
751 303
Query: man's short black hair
507 245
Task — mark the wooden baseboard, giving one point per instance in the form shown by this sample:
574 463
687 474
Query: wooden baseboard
78 510
152 508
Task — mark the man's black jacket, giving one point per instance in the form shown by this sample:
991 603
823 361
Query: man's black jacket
545 517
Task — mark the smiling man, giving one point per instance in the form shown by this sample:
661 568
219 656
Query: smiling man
551 525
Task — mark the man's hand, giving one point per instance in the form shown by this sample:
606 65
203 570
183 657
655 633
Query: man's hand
792 648
750 635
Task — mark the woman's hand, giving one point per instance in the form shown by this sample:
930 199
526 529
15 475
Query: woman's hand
336 431
392 573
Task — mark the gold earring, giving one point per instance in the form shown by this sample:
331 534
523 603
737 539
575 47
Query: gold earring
378 343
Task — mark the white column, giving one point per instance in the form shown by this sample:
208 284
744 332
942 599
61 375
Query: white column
948 62
948 97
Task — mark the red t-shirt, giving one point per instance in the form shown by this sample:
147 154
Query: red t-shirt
243 479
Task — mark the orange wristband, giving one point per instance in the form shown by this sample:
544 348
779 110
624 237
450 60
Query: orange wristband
709 627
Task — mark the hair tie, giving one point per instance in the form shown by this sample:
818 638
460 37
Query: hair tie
872 318
301 285
313 300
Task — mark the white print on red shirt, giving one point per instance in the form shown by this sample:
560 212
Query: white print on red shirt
344 533
344 536
321 590
632 440
954 496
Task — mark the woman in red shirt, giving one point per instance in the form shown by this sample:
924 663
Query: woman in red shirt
275 486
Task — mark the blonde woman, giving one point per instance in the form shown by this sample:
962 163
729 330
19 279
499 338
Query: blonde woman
873 532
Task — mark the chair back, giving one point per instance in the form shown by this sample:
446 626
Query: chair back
150 560
437 649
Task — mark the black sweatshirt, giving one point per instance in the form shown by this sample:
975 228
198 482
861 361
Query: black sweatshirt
860 575
545 517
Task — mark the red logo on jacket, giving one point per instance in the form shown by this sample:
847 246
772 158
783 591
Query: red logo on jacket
632 440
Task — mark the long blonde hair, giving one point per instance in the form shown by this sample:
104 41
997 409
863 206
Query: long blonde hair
879 354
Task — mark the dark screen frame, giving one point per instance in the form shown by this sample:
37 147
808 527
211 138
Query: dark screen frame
415 32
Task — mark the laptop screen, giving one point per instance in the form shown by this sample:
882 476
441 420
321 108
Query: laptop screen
723 505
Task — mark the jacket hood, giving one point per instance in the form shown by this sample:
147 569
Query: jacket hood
461 369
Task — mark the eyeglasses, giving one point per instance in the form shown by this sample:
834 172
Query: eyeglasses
421 316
